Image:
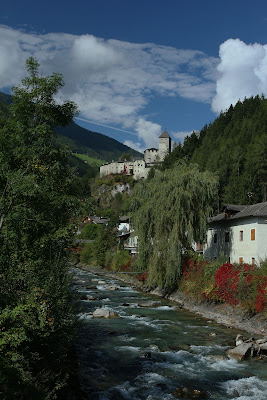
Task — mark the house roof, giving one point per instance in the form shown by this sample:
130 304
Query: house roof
255 210
124 218
165 134
233 207
237 211
98 220
217 218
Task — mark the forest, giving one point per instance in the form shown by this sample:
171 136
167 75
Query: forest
235 147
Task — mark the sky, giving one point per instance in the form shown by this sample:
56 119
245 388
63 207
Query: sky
137 67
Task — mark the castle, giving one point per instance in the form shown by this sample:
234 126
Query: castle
139 167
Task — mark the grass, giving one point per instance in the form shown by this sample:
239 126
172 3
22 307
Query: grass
93 162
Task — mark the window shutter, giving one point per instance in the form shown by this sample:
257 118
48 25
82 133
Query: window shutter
252 234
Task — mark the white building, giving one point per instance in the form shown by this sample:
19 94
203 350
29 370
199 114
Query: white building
139 168
239 233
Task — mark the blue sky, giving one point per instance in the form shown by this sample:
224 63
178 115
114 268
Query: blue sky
137 67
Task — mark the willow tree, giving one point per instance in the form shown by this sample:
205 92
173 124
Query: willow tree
170 212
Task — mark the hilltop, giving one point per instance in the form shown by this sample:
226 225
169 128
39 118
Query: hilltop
82 140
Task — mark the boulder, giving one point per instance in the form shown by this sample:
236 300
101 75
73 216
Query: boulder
186 393
242 351
149 303
103 313
101 282
261 341
154 347
89 297
239 340
112 287
262 348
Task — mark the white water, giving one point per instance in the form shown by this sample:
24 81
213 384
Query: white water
148 352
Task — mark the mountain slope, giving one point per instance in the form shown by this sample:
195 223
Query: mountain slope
81 140
235 147
95 144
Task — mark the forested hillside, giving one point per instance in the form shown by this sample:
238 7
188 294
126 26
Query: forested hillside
94 144
234 146
82 140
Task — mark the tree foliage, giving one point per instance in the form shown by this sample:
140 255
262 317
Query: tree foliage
169 212
36 316
234 146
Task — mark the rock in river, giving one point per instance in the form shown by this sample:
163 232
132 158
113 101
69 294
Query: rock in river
102 313
186 393
242 351
111 287
89 297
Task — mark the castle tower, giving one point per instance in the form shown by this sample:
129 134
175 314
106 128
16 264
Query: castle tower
165 143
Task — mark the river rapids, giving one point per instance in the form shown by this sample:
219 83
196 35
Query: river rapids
158 353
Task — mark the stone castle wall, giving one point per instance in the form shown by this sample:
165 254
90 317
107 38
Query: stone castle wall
140 168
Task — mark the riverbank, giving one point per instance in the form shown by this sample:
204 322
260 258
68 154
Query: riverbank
232 317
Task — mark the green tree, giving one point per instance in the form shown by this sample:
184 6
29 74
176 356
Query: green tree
258 165
105 240
89 232
36 317
125 157
169 213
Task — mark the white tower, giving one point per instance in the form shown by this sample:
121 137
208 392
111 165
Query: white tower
165 144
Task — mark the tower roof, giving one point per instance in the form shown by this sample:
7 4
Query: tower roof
164 134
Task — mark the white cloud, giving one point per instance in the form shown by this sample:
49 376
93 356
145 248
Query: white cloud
180 136
149 132
135 146
111 81
243 73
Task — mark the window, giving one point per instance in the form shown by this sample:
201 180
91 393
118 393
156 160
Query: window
253 262
241 236
227 237
215 238
252 234
241 260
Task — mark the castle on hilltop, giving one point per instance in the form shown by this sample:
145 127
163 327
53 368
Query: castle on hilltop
139 167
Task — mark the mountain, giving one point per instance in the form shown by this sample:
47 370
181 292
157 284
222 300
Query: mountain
235 147
83 141
5 98
94 144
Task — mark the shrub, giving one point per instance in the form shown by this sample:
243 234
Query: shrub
109 258
89 232
230 283
88 255
121 259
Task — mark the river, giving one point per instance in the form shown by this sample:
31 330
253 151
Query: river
149 352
